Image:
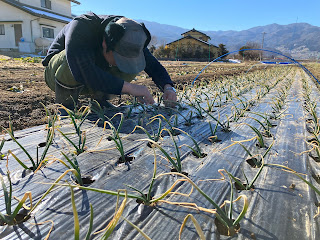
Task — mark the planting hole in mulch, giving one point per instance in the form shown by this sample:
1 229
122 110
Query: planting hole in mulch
259 146
223 230
214 139
86 180
316 178
126 159
150 144
314 156
267 135
109 138
226 130
43 144
253 236
202 155
252 162
20 218
292 186
32 169
142 202
240 188
312 139
175 170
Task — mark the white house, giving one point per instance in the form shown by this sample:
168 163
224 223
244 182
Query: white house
31 25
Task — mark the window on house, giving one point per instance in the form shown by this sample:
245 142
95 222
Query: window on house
46 4
2 32
47 32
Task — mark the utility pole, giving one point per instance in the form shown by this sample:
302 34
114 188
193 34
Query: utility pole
262 45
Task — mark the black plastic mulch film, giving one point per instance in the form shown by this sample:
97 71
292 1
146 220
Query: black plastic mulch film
281 206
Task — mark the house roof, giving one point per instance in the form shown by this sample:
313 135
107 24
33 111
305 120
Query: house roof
39 12
194 30
190 37
75 2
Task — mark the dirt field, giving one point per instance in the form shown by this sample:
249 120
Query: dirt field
23 88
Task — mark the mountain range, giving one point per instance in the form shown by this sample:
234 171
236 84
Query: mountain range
298 40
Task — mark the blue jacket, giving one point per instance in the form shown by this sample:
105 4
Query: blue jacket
82 38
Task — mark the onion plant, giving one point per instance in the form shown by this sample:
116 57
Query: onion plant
187 118
248 185
225 126
51 121
237 112
196 150
110 227
147 197
266 127
36 163
156 135
1 146
77 119
199 109
76 219
213 136
257 160
171 124
278 115
9 218
73 164
176 161
196 224
116 137
259 135
225 217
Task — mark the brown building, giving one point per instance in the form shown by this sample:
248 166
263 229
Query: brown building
193 44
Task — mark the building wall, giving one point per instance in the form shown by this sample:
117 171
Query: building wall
9 14
187 43
59 6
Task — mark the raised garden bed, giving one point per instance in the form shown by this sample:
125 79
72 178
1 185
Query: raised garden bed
245 146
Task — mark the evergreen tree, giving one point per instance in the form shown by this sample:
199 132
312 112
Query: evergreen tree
222 50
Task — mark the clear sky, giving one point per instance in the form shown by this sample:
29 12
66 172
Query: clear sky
209 14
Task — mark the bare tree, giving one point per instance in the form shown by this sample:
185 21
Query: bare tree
153 41
250 54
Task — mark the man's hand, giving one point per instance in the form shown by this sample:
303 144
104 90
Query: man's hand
138 91
169 96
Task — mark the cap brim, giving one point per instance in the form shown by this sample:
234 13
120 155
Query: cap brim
130 65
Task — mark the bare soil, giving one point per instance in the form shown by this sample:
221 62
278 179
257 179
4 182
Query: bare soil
23 87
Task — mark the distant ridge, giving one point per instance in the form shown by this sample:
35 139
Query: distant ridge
299 40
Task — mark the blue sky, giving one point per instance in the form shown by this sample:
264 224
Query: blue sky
209 15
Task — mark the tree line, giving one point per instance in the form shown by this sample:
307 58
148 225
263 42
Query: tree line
193 52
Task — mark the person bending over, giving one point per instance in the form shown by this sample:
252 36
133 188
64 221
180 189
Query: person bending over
98 56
